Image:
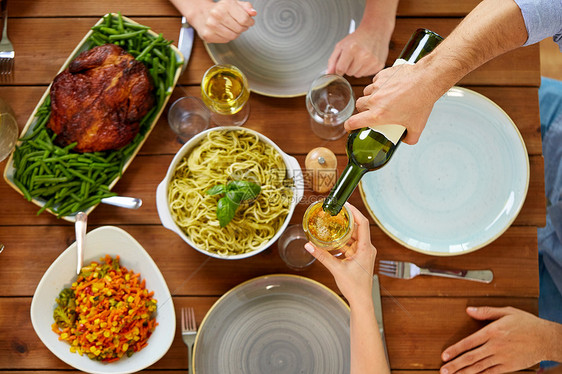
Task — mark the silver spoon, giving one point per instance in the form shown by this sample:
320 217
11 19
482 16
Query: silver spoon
123 201
80 231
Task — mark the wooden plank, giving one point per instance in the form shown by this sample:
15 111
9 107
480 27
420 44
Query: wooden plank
34 41
57 8
512 258
411 345
146 172
269 116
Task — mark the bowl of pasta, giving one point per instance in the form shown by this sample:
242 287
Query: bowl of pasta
229 192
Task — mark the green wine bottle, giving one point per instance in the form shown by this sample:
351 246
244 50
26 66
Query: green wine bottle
370 148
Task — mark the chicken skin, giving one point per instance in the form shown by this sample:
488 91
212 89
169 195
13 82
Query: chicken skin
100 99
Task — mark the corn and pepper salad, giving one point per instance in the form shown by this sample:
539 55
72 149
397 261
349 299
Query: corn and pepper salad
106 313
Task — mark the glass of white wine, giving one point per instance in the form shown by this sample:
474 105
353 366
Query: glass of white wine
330 102
8 130
224 89
330 232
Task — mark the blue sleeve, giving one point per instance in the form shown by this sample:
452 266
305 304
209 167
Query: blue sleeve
543 19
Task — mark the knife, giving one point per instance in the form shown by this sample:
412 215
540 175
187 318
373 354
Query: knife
378 313
185 42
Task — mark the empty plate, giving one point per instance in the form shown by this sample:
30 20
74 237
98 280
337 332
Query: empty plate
460 187
289 44
279 324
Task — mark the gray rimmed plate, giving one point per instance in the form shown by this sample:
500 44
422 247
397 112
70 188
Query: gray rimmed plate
290 43
275 324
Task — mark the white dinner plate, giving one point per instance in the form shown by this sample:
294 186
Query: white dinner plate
460 187
290 43
280 324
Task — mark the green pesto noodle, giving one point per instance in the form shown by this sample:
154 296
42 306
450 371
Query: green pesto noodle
221 157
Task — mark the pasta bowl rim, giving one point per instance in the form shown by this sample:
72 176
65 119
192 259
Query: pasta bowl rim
163 207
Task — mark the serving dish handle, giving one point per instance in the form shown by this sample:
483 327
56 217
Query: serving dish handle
162 204
296 173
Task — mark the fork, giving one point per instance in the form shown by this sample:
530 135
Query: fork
7 53
408 270
188 332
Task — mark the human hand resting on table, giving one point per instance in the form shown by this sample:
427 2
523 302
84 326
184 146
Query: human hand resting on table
515 340
359 54
217 22
364 51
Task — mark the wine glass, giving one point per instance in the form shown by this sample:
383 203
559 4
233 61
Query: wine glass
330 102
224 89
8 130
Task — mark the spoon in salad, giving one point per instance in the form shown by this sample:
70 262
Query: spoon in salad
80 231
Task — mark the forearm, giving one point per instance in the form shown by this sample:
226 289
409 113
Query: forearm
188 8
553 341
491 29
379 17
367 351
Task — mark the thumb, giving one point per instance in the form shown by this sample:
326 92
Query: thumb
248 8
329 261
486 312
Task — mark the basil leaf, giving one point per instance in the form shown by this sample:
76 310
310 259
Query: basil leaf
225 210
250 190
215 190
235 197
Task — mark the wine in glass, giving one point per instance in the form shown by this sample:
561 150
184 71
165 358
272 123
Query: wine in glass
224 89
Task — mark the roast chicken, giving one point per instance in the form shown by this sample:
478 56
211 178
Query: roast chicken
100 99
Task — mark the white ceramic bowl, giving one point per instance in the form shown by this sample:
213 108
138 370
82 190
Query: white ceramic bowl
62 272
293 171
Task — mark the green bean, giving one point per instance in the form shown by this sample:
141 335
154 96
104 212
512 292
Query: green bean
161 55
47 205
109 30
171 70
135 26
40 125
129 35
24 190
81 176
149 47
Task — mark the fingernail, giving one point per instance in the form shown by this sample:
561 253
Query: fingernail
309 247
444 371
472 309
445 358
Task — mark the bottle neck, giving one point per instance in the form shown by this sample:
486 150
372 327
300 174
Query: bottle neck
343 189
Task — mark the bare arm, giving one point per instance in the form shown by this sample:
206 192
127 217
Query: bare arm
405 94
217 22
354 277
364 51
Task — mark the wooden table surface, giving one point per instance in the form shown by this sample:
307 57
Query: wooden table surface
421 316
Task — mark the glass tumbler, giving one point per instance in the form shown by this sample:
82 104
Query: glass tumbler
187 117
8 130
291 248
224 90
330 102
